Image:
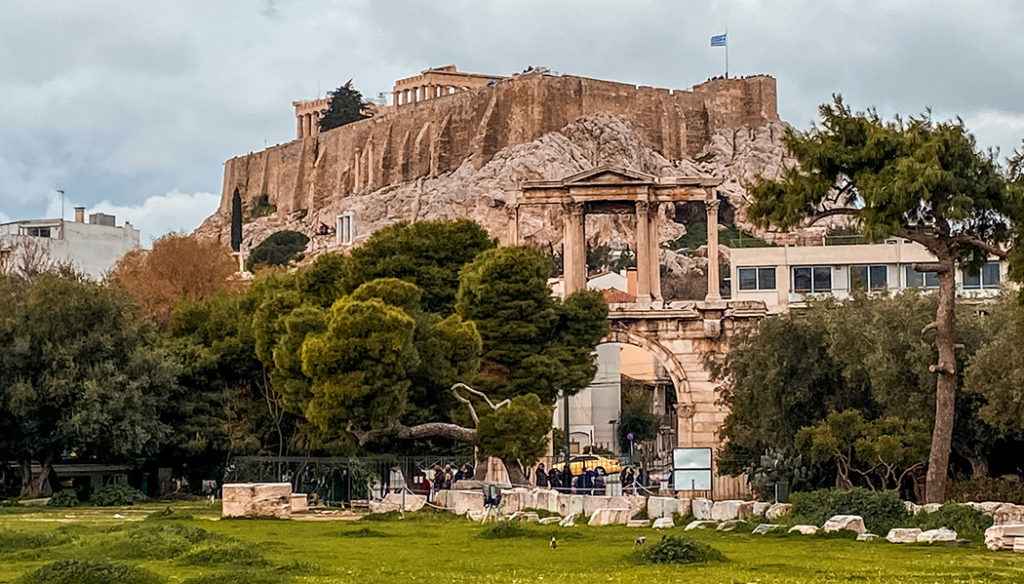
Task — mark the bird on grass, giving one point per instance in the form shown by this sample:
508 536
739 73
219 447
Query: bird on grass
554 543
640 540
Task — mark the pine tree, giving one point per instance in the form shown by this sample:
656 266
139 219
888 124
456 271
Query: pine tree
346 107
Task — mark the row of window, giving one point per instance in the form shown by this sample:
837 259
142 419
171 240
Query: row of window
812 279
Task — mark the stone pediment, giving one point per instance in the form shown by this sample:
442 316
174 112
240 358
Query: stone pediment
608 174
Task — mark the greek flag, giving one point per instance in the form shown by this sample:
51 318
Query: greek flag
718 40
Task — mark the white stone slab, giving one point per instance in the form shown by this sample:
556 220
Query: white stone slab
903 535
934 535
610 517
845 522
664 523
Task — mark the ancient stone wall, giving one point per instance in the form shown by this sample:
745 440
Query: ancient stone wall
436 136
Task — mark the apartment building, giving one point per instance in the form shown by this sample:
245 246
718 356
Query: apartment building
787 277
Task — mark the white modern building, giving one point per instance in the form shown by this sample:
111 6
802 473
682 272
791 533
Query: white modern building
594 412
787 277
91 247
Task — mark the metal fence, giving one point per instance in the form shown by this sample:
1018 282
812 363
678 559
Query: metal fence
341 480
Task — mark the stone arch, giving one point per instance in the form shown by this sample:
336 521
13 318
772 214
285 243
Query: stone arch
675 369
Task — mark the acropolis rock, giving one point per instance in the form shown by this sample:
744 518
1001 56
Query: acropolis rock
464 154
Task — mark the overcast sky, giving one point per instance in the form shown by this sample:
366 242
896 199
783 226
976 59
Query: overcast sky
132 107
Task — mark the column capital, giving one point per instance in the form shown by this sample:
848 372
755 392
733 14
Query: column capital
576 209
712 204
643 206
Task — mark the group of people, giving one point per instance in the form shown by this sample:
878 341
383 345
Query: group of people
444 478
590 482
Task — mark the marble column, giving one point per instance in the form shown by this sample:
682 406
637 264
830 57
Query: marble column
711 205
513 224
574 248
654 227
643 253
298 127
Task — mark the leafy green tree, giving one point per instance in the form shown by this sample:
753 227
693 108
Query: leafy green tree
777 378
224 404
279 249
636 416
865 353
996 371
516 433
891 449
429 254
918 179
236 222
346 106
833 439
532 342
81 374
886 449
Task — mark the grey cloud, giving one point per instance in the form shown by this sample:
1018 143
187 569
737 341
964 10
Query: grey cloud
122 101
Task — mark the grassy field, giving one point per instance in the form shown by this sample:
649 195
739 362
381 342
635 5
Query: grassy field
201 550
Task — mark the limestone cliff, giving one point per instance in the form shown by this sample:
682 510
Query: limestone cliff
464 155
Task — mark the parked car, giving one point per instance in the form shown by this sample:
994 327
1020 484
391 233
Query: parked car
581 463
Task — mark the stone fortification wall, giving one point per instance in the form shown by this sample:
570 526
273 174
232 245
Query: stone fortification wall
436 136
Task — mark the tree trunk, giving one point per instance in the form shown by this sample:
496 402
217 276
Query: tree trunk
36 484
979 466
515 473
945 386
26 477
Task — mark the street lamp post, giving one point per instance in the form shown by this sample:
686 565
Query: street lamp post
567 475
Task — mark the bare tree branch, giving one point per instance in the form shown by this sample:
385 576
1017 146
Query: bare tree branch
430 429
472 411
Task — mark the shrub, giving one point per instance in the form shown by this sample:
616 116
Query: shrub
158 542
774 466
641 514
678 550
277 250
230 552
90 572
117 496
63 499
17 540
881 510
964 520
988 489
503 530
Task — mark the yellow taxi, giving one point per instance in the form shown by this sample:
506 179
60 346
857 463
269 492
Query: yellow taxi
581 463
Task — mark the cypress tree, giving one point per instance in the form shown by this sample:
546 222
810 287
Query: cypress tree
236 222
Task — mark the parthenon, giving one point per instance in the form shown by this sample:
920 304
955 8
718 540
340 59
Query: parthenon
436 82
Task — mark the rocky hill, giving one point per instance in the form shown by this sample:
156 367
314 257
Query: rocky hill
729 130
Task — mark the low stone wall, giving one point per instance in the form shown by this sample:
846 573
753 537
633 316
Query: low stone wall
257 500
564 504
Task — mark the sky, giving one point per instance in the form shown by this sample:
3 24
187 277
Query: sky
132 107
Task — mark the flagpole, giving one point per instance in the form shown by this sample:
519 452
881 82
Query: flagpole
727 52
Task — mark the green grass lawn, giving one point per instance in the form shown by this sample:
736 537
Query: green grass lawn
447 549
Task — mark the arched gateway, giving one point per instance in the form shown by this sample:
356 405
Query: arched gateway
679 334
